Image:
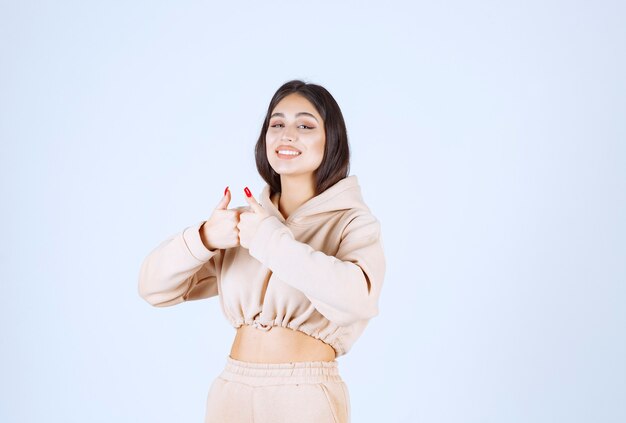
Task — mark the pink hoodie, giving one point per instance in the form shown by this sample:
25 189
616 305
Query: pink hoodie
320 271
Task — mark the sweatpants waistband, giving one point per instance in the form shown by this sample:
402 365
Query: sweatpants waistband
263 374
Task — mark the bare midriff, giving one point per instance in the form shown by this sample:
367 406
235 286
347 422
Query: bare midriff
278 345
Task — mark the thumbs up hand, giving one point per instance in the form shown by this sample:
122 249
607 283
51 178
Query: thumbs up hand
249 220
221 231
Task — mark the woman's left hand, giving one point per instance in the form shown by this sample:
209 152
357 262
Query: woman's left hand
249 220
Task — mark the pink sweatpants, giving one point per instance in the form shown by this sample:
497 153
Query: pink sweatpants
302 392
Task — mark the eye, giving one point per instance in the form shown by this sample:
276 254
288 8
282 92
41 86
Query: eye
280 124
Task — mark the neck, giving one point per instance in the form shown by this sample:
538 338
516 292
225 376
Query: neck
295 191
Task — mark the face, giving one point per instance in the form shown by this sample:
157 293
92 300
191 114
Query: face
295 138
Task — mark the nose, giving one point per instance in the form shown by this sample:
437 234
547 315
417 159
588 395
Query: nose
289 134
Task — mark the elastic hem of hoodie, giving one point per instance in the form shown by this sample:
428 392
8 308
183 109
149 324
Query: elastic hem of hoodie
265 326
193 242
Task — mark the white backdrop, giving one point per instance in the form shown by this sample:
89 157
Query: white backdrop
489 140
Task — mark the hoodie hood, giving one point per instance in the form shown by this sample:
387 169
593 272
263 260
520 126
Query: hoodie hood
343 195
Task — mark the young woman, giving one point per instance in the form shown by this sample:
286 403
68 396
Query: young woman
298 273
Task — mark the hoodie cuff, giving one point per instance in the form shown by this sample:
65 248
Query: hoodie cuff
191 236
261 243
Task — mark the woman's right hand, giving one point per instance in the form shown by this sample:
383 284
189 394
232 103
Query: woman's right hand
221 231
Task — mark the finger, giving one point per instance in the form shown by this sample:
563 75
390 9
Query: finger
237 211
252 201
223 204
243 217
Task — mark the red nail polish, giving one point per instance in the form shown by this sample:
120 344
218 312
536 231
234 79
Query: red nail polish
247 191
226 190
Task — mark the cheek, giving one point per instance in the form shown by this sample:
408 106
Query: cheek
269 154
319 149
268 146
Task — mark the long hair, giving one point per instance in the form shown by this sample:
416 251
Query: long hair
335 164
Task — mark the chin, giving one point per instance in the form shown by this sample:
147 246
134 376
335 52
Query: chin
285 172
283 168
290 172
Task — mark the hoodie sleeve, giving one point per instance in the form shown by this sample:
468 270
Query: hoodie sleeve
344 288
181 268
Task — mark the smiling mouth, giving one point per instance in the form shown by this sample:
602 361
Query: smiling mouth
288 153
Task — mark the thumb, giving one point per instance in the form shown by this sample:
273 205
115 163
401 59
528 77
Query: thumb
223 204
256 207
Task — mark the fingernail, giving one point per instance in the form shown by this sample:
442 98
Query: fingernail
247 191
226 190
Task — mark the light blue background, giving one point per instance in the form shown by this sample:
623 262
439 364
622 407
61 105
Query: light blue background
489 140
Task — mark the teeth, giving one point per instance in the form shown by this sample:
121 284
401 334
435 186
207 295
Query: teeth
288 152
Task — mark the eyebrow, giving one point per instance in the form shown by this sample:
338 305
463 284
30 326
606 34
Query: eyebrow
297 114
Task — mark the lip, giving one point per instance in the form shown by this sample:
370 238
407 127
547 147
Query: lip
287 147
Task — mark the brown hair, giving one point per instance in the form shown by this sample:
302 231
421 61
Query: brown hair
335 164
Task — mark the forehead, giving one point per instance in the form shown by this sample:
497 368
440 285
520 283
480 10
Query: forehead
295 103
